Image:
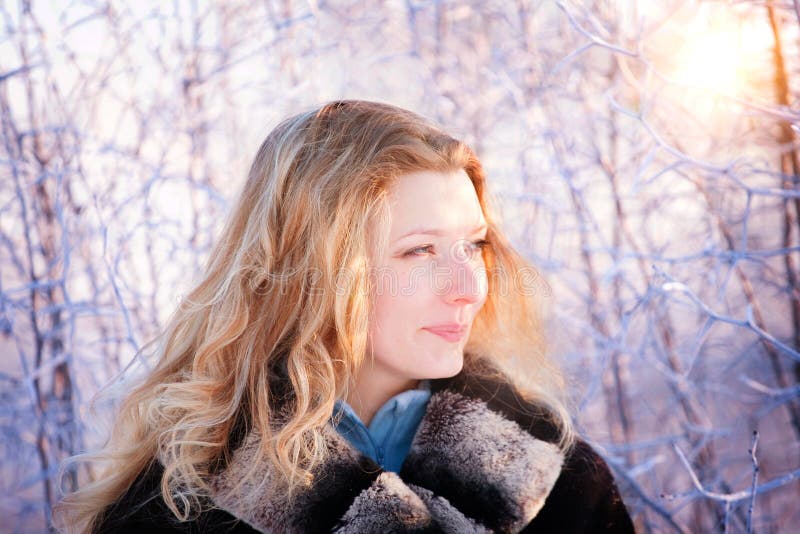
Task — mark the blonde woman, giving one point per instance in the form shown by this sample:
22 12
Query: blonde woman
340 365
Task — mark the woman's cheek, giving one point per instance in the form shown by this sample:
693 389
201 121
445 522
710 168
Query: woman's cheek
484 286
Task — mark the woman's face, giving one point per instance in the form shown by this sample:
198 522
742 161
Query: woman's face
430 281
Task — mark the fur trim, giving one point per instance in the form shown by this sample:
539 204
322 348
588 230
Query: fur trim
249 496
448 518
503 474
470 467
386 506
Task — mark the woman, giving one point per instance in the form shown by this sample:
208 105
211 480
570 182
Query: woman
339 366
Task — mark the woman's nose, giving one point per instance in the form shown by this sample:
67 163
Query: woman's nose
466 281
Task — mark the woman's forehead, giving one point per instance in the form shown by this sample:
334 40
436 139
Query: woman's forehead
433 203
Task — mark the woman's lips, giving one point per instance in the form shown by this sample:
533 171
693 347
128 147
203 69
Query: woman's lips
448 332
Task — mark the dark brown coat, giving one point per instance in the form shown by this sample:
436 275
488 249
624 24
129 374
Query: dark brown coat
483 460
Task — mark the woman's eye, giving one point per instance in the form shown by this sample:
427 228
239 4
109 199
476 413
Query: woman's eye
466 249
480 244
419 251
474 247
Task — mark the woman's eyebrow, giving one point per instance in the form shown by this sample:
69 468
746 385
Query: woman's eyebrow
437 232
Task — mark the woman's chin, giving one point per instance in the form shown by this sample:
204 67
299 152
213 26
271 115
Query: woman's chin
448 365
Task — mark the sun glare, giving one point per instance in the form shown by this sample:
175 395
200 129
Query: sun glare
719 51
712 61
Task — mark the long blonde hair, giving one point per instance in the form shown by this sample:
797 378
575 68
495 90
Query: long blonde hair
265 343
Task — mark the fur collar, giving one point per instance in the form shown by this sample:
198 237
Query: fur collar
482 460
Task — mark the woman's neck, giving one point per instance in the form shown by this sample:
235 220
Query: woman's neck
372 389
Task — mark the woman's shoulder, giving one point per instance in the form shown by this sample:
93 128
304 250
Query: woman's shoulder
585 497
141 509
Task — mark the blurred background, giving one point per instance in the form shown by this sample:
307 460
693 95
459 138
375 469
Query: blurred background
643 155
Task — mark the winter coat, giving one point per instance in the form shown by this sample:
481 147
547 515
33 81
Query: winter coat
482 460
